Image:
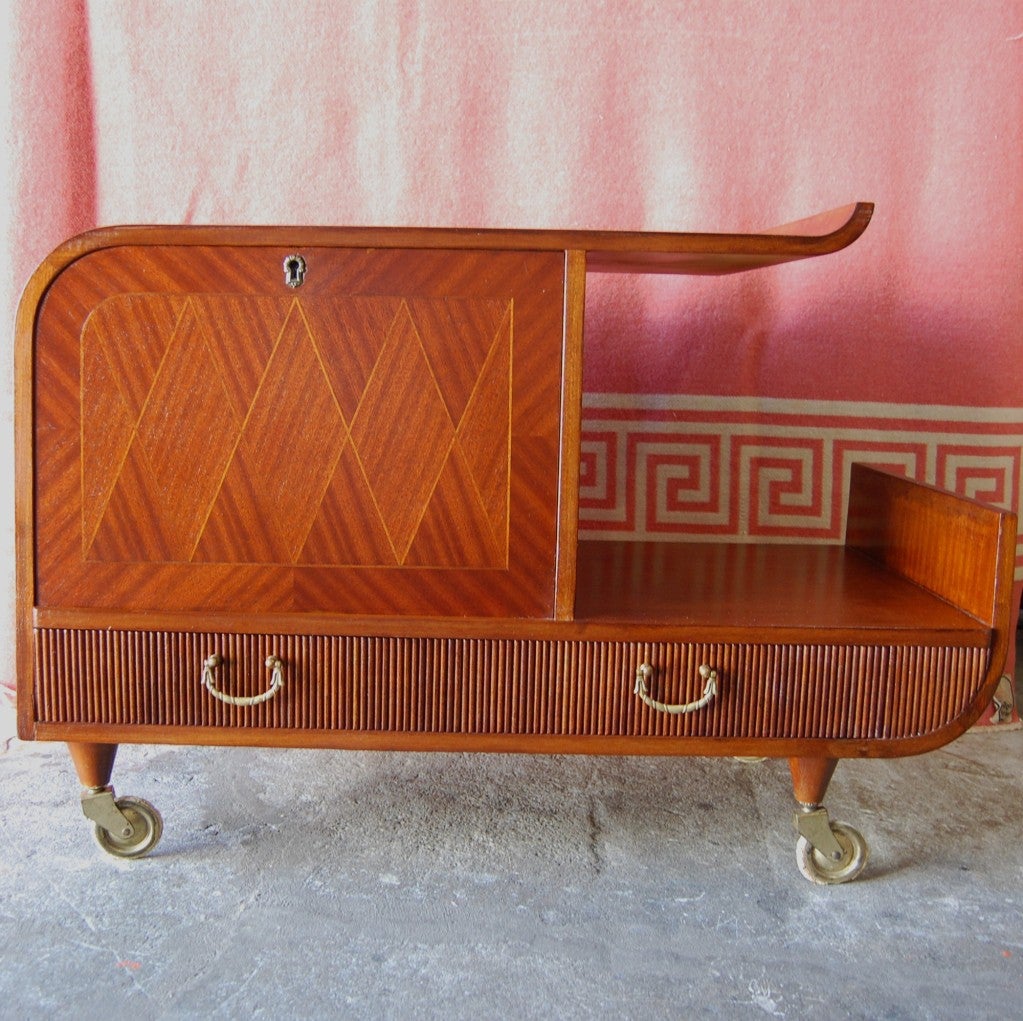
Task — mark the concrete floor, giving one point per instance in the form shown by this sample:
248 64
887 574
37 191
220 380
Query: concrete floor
373 885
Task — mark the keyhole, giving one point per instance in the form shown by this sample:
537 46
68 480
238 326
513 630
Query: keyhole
294 270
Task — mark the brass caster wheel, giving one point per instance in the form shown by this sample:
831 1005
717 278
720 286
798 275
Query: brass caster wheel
146 825
822 868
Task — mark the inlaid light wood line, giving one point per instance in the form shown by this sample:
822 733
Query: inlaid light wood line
376 509
201 531
399 559
298 546
486 363
376 364
114 374
482 503
323 367
403 307
134 440
511 411
457 427
414 531
214 352
86 546
215 356
87 540
490 358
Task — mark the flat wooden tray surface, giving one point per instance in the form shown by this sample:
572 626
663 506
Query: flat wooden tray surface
751 586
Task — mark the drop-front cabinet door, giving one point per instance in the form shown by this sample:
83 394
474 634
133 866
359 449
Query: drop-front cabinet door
383 438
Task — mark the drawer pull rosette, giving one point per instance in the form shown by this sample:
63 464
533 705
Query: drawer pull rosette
273 663
646 671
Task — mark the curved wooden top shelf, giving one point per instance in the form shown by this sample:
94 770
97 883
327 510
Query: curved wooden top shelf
715 254
606 251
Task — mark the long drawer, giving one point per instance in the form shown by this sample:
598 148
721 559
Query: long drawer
501 687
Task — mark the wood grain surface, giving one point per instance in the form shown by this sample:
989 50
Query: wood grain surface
374 477
385 440
462 687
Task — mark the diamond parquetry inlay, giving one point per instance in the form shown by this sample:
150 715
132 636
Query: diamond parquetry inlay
353 431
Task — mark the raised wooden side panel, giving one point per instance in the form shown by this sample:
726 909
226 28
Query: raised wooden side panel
956 548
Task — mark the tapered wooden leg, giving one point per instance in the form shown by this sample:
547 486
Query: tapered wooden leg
810 779
93 762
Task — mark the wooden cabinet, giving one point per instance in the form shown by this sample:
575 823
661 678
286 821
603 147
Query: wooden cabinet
318 487
383 439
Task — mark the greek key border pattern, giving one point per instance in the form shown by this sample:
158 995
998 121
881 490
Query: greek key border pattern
734 469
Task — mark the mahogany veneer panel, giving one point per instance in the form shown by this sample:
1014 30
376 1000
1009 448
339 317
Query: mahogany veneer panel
383 440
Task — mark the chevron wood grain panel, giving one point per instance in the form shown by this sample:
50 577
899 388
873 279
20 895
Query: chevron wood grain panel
383 440
504 687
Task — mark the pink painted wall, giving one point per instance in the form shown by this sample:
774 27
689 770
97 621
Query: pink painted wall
709 114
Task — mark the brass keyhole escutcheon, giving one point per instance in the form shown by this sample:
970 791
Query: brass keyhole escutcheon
294 270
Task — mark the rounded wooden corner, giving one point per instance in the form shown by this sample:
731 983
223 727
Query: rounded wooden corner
834 229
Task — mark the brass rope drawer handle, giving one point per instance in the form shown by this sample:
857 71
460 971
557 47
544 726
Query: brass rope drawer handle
273 663
646 671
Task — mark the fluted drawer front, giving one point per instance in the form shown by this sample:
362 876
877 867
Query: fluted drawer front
491 686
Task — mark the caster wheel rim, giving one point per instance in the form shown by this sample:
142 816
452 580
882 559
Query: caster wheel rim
147 828
825 871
